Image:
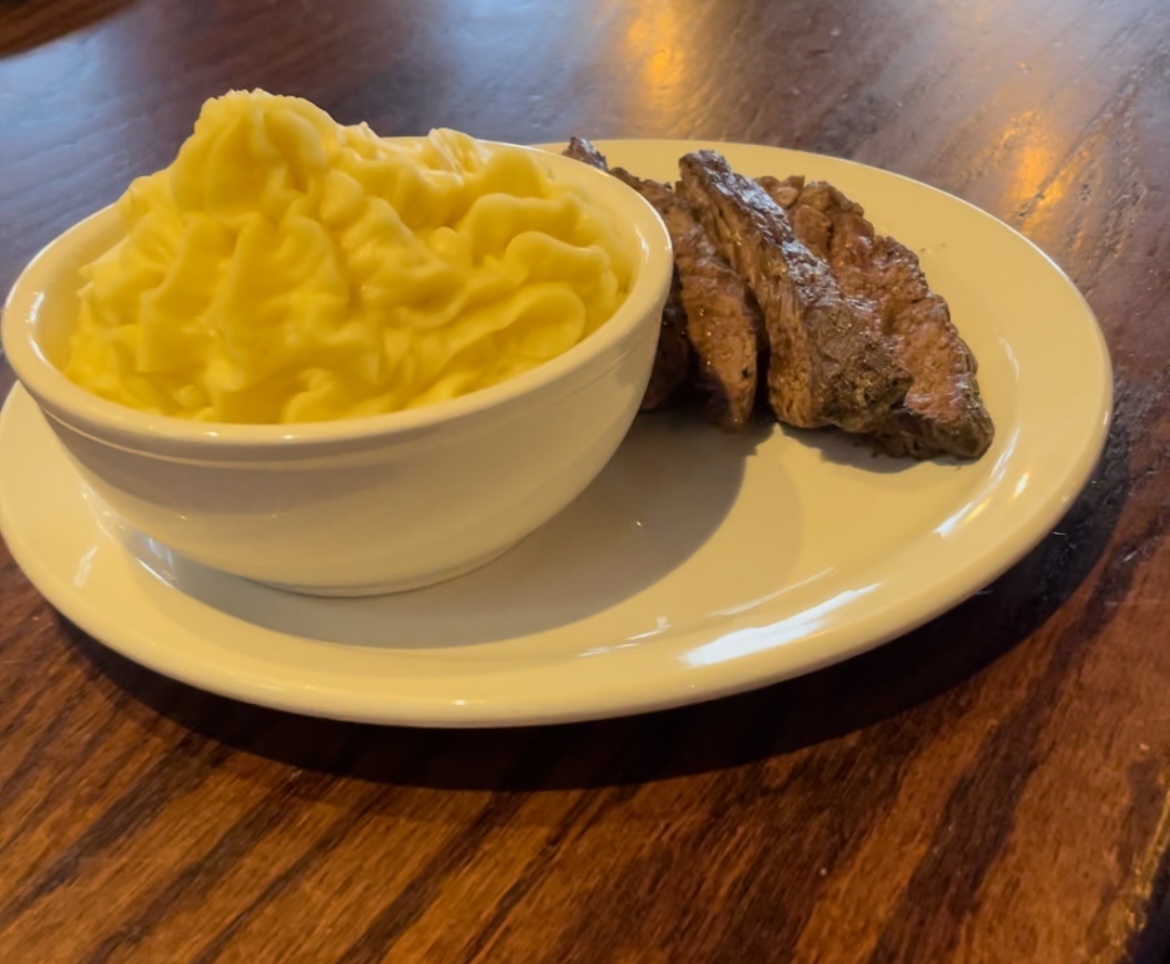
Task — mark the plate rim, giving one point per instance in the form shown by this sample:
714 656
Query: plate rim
620 699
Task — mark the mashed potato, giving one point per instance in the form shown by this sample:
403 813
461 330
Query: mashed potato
285 268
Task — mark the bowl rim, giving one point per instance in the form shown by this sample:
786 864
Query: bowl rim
106 419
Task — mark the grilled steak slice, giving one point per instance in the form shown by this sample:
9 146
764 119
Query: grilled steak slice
828 362
942 412
722 322
582 149
672 360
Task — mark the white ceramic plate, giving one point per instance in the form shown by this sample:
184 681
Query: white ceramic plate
697 565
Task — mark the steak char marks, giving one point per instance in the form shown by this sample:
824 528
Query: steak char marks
783 289
710 309
942 412
828 363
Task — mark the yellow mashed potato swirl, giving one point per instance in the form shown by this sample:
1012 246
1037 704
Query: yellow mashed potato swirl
285 268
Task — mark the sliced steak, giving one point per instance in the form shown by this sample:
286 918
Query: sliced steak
942 412
672 360
582 149
828 363
722 323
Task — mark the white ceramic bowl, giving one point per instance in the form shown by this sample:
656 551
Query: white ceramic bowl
357 506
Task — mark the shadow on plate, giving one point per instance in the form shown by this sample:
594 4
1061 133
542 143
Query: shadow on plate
840 448
32 23
725 733
663 495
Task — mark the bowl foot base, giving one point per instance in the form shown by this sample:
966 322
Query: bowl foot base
394 586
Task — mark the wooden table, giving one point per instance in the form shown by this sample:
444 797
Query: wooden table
990 788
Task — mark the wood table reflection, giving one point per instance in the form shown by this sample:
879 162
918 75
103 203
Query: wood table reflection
992 787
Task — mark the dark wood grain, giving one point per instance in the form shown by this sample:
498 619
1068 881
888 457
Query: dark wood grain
991 788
